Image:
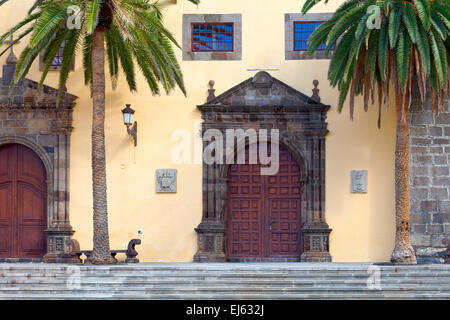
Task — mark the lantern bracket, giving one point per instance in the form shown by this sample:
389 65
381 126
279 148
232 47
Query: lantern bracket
132 131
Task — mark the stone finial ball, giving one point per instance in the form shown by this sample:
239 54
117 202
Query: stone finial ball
316 83
211 83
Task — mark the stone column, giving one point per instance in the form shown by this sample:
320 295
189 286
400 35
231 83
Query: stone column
316 231
59 233
211 231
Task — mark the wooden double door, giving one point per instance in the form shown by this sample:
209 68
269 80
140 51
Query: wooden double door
23 203
264 211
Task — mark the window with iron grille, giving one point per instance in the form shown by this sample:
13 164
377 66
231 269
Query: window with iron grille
58 60
302 31
212 37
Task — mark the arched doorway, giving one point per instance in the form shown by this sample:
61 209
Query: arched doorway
270 107
264 211
23 203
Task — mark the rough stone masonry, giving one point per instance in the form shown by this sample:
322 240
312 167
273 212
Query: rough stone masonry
430 180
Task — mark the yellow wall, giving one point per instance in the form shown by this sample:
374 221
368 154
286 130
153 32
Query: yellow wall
363 225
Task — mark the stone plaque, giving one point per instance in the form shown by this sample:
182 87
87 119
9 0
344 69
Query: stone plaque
166 181
358 181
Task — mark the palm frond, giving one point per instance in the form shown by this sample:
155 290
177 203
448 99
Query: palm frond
424 11
383 48
135 36
49 55
113 59
92 11
394 26
18 26
68 55
440 57
35 5
439 26
48 21
403 51
409 19
125 57
87 59
413 41
423 47
20 37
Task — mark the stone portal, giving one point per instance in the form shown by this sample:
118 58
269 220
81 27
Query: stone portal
263 102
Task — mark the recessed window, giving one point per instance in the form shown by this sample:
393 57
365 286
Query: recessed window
298 29
58 60
212 37
302 31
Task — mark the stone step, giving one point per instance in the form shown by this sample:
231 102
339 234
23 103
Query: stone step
5 273
204 276
112 281
222 281
149 267
223 289
227 267
236 278
226 287
206 267
230 296
150 280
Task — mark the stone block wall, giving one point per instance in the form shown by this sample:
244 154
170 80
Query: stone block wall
430 181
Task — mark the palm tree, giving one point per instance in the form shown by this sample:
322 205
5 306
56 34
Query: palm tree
132 31
411 42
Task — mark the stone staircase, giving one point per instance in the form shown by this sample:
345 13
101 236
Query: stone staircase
224 281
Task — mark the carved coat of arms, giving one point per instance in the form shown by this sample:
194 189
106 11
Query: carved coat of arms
166 180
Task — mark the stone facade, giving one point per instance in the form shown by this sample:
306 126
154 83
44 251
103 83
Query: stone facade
31 118
263 102
430 181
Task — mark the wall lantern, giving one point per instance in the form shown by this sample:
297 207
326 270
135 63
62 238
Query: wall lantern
128 121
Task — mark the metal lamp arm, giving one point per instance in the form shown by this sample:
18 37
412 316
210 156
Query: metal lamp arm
133 132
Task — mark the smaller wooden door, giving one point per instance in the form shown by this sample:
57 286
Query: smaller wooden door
264 211
23 203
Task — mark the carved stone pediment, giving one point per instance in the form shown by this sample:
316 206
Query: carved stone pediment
263 90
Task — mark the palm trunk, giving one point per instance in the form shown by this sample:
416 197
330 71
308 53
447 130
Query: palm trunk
101 253
403 252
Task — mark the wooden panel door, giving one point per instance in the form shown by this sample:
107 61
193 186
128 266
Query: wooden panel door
6 200
284 209
23 203
246 209
264 212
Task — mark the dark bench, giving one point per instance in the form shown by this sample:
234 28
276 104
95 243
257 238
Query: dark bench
130 252
447 242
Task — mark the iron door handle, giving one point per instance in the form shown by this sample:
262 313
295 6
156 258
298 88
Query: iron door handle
270 225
